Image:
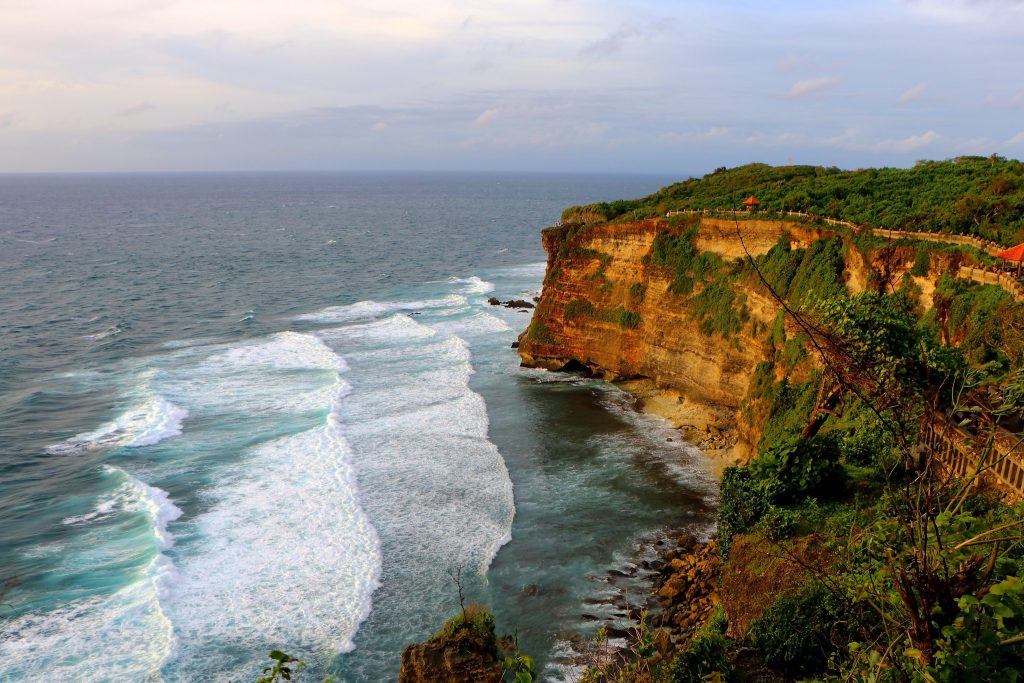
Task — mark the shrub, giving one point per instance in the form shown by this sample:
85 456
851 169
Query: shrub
629 319
689 265
473 626
539 333
579 307
799 633
705 655
742 504
922 262
794 469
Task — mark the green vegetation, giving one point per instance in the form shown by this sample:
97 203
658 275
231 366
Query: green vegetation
716 306
705 656
921 582
538 332
800 632
680 255
578 308
967 195
982 320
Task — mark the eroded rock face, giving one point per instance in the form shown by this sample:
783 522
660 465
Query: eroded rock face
464 650
447 663
609 268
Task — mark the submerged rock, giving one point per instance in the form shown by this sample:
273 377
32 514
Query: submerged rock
511 303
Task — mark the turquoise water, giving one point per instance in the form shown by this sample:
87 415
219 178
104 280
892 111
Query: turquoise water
240 412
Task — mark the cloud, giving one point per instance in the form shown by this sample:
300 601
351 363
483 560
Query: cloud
912 94
486 117
379 127
614 42
135 109
7 119
907 144
811 85
1016 140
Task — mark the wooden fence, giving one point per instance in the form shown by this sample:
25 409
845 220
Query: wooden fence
958 451
986 246
988 277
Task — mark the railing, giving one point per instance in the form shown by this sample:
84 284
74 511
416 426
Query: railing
957 451
986 246
988 277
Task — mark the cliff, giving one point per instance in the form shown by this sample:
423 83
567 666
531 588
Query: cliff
613 305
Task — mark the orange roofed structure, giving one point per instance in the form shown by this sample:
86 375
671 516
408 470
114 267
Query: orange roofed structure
752 203
1012 254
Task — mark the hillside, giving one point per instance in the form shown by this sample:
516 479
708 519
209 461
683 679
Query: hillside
981 196
870 391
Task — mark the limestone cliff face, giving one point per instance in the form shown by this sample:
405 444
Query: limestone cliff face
608 266
605 308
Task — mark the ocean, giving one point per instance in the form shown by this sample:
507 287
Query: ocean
241 412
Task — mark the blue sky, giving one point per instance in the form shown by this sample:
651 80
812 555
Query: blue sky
531 85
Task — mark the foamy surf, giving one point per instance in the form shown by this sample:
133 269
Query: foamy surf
368 310
473 284
283 554
129 627
148 423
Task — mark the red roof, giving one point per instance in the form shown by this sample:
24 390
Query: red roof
752 201
1012 254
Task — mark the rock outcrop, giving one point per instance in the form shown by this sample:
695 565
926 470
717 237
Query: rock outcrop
464 650
687 588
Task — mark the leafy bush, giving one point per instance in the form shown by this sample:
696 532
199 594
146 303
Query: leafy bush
705 655
579 307
629 319
794 469
719 309
779 523
922 262
539 333
799 633
742 504
637 291
473 625
688 265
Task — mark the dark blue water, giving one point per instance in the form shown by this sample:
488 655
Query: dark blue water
240 412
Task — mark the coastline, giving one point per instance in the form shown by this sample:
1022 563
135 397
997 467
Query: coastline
710 429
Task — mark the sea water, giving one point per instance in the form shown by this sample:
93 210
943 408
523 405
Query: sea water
245 412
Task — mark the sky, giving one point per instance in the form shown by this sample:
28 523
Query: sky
651 86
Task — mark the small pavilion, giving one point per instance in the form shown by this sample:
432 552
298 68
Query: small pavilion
1012 255
751 204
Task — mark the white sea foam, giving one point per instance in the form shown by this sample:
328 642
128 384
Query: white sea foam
129 627
473 284
287 556
420 441
269 375
365 310
282 552
284 351
394 328
469 326
150 422
526 271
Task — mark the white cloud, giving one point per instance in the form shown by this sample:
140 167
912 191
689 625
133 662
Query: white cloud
811 85
486 117
913 94
379 127
907 144
1016 140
